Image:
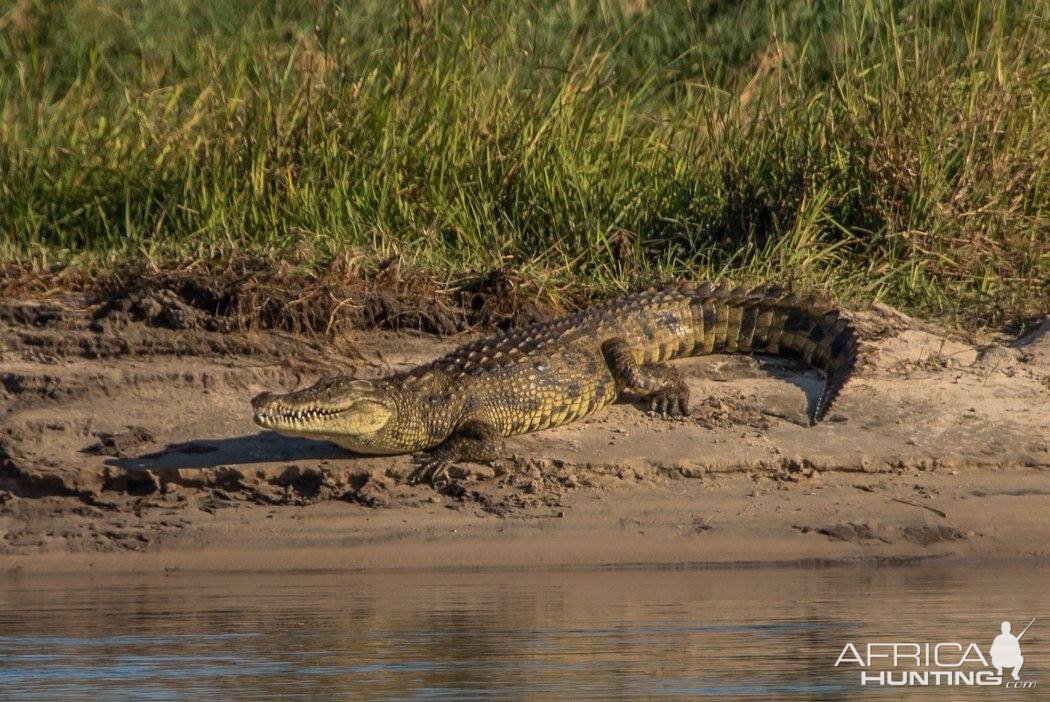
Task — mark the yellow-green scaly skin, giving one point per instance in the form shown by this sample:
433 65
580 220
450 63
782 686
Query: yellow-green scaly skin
560 371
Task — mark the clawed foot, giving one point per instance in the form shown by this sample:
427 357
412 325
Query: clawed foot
669 404
473 442
431 471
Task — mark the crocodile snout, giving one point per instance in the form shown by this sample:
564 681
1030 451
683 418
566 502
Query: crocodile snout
262 399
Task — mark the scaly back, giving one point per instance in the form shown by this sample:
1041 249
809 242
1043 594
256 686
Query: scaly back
683 319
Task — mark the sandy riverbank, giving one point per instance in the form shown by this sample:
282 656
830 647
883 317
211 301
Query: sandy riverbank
126 443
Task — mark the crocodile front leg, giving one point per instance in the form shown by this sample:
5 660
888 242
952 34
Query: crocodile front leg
475 442
659 383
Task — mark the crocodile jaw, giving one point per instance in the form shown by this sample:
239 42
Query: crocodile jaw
322 411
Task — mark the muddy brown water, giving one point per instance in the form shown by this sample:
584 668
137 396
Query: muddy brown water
717 633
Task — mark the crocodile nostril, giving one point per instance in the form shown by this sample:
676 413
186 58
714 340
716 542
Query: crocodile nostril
261 399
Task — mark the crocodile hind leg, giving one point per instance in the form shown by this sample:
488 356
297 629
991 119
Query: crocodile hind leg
659 383
474 442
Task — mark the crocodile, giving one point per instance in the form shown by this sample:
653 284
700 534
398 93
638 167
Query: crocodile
459 407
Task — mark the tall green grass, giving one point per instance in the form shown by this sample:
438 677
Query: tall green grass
880 150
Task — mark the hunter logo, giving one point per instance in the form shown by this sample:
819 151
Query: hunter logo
1006 651
942 663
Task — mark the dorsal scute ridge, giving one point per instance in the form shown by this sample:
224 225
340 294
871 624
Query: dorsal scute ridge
516 344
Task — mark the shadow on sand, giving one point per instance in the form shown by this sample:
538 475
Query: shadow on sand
808 379
262 447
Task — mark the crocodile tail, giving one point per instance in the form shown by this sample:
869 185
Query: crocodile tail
839 366
815 331
768 319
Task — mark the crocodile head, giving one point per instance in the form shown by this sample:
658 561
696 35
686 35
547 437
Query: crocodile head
344 410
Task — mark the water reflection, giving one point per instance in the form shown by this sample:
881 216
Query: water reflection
715 633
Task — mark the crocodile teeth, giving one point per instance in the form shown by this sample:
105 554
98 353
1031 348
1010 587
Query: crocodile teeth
281 414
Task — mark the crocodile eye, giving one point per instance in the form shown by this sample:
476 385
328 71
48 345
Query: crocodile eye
436 399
